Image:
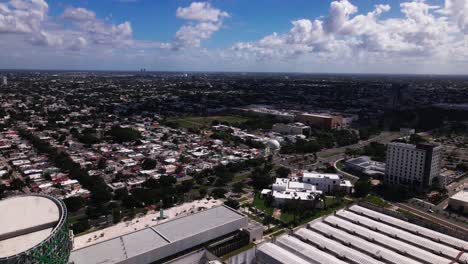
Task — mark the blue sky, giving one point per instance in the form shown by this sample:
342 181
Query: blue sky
409 36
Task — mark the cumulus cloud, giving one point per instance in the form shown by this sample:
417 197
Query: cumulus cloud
344 32
208 21
22 16
201 11
97 30
79 14
457 10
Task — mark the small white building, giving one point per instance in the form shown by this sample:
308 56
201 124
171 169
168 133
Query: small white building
459 201
285 189
327 182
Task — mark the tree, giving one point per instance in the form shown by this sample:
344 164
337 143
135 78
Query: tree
74 203
81 226
238 187
261 179
282 172
149 164
462 167
362 188
203 191
17 184
218 193
234 204
167 181
121 134
416 139
101 163
117 215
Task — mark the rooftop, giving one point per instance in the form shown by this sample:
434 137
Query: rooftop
361 235
461 196
25 222
158 237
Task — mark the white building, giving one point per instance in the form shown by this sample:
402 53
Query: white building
291 129
327 182
4 81
413 165
366 165
459 202
285 189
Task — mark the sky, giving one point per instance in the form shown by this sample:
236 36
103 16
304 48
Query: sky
341 36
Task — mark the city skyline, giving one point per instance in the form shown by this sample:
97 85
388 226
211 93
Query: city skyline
414 37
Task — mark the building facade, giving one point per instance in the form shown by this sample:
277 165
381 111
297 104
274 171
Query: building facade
412 165
327 182
291 129
321 120
4 81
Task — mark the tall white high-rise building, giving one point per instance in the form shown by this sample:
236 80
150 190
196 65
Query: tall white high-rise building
413 165
4 81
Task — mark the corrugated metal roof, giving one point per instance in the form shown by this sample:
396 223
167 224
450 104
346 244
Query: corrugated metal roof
418 230
335 247
152 238
280 255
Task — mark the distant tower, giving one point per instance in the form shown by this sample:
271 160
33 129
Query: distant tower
4 81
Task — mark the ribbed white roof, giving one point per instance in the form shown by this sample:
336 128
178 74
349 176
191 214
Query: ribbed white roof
389 242
418 230
404 235
335 247
307 251
356 242
280 255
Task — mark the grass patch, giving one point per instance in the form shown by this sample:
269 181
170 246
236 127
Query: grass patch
253 217
280 232
340 165
260 204
376 200
329 155
205 121
332 206
241 177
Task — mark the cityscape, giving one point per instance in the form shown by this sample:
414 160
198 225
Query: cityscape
115 160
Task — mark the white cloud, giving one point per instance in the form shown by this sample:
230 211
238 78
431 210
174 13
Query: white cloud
78 14
209 20
201 11
22 16
345 35
457 10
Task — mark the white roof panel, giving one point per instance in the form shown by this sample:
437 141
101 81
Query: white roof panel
365 246
307 251
280 255
403 235
337 248
397 245
418 230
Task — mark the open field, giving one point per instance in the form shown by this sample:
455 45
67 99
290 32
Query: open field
205 121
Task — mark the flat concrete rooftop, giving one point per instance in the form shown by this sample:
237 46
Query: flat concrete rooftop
164 237
25 222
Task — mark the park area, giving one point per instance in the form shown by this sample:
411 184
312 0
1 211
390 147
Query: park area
299 217
206 121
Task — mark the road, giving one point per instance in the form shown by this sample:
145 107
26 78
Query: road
384 138
436 219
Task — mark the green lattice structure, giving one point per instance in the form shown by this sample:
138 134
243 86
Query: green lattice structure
55 249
